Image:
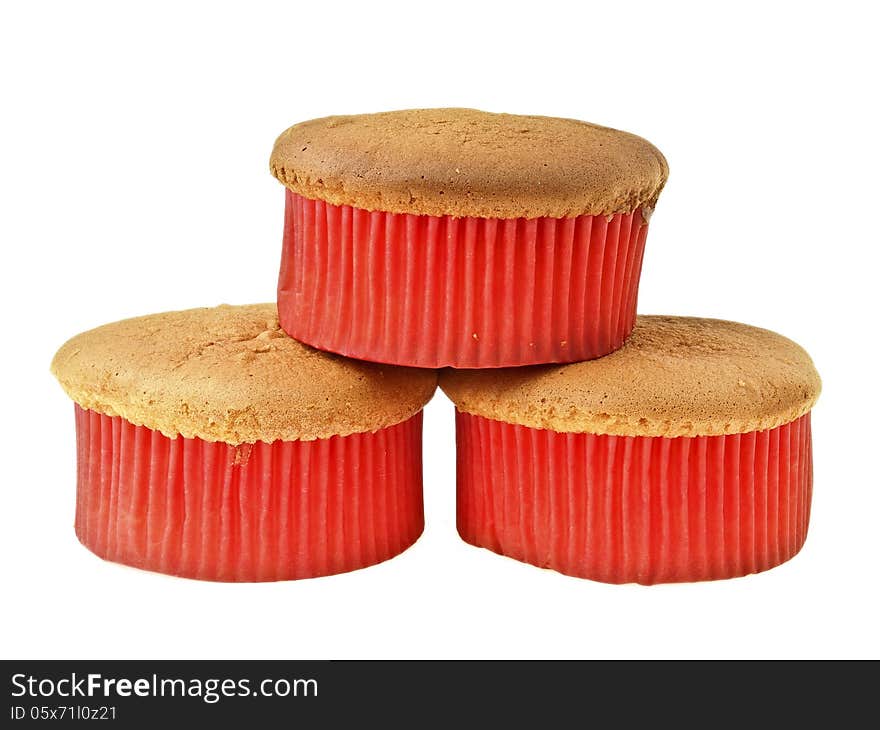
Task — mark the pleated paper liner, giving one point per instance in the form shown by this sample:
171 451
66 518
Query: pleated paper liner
260 512
625 509
431 291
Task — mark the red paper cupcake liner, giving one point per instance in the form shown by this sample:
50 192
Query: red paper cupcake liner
623 509
254 512
432 291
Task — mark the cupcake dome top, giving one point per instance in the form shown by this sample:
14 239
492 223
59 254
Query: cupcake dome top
230 374
675 376
464 162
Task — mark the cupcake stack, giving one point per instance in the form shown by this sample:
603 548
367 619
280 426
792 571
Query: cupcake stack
502 254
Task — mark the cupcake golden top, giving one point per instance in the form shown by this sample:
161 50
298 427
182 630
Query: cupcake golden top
230 374
464 162
675 376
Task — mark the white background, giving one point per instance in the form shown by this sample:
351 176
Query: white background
134 172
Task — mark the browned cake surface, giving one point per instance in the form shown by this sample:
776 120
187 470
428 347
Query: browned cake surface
675 376
464 162
230 374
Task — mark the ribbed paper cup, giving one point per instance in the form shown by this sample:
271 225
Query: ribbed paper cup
253 512
431 291
638 509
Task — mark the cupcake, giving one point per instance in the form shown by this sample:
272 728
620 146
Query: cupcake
435 237
211 445
684 456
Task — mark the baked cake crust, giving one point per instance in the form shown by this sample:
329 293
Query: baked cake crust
675 376
469 163
230 374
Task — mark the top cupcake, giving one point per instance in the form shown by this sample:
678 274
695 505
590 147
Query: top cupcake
469 163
